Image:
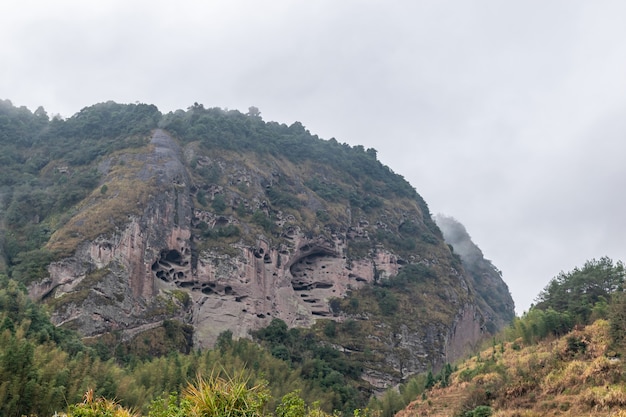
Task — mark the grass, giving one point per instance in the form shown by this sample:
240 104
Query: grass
544 379
226 396
96 407
103 213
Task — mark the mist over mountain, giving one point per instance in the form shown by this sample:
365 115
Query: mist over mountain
487 279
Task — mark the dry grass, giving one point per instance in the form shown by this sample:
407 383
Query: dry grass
103 213
546 379
92 406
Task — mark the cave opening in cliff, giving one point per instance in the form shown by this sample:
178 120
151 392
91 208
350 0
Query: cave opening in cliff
173 256
170 266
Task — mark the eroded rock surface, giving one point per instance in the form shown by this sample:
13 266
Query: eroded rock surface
142 273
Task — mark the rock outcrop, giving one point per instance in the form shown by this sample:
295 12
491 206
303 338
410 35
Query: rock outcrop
218 254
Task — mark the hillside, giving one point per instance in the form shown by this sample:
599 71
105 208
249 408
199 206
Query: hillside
574 375
121 219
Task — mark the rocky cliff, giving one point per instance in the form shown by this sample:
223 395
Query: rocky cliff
222 221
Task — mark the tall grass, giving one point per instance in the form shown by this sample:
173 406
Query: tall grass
227 396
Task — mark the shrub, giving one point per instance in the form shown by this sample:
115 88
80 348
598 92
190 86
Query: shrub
226 396
98 407
480 411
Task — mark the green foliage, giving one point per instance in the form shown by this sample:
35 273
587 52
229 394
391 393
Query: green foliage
409 275
537 324
261 219
329 191
480 411
226 396
98 407
387 301
218 204
291 405
282 199
233 130
578 291
201 197
578 297
45 170
617 320
227 231
330 329
324 366
170 405
31 265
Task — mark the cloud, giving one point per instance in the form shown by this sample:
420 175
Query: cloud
505 115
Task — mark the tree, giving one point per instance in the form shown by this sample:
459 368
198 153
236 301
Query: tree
253 112
617 319
578 291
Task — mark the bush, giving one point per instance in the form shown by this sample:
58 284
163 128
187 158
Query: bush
480 411
226 396
98 407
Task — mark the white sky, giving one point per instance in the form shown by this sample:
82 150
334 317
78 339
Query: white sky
508 115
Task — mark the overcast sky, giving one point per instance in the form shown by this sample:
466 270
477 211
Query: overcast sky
508 115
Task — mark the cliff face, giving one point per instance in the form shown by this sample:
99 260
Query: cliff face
228 240
108 284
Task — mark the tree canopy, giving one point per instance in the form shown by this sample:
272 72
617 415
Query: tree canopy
577 292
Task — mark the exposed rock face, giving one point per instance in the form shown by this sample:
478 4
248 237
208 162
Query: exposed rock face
108 284
132 278
245 292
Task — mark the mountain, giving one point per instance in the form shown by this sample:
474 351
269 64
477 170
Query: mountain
123 220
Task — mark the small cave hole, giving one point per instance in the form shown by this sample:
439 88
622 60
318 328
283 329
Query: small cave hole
267 259
173 256
228 290
221 221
